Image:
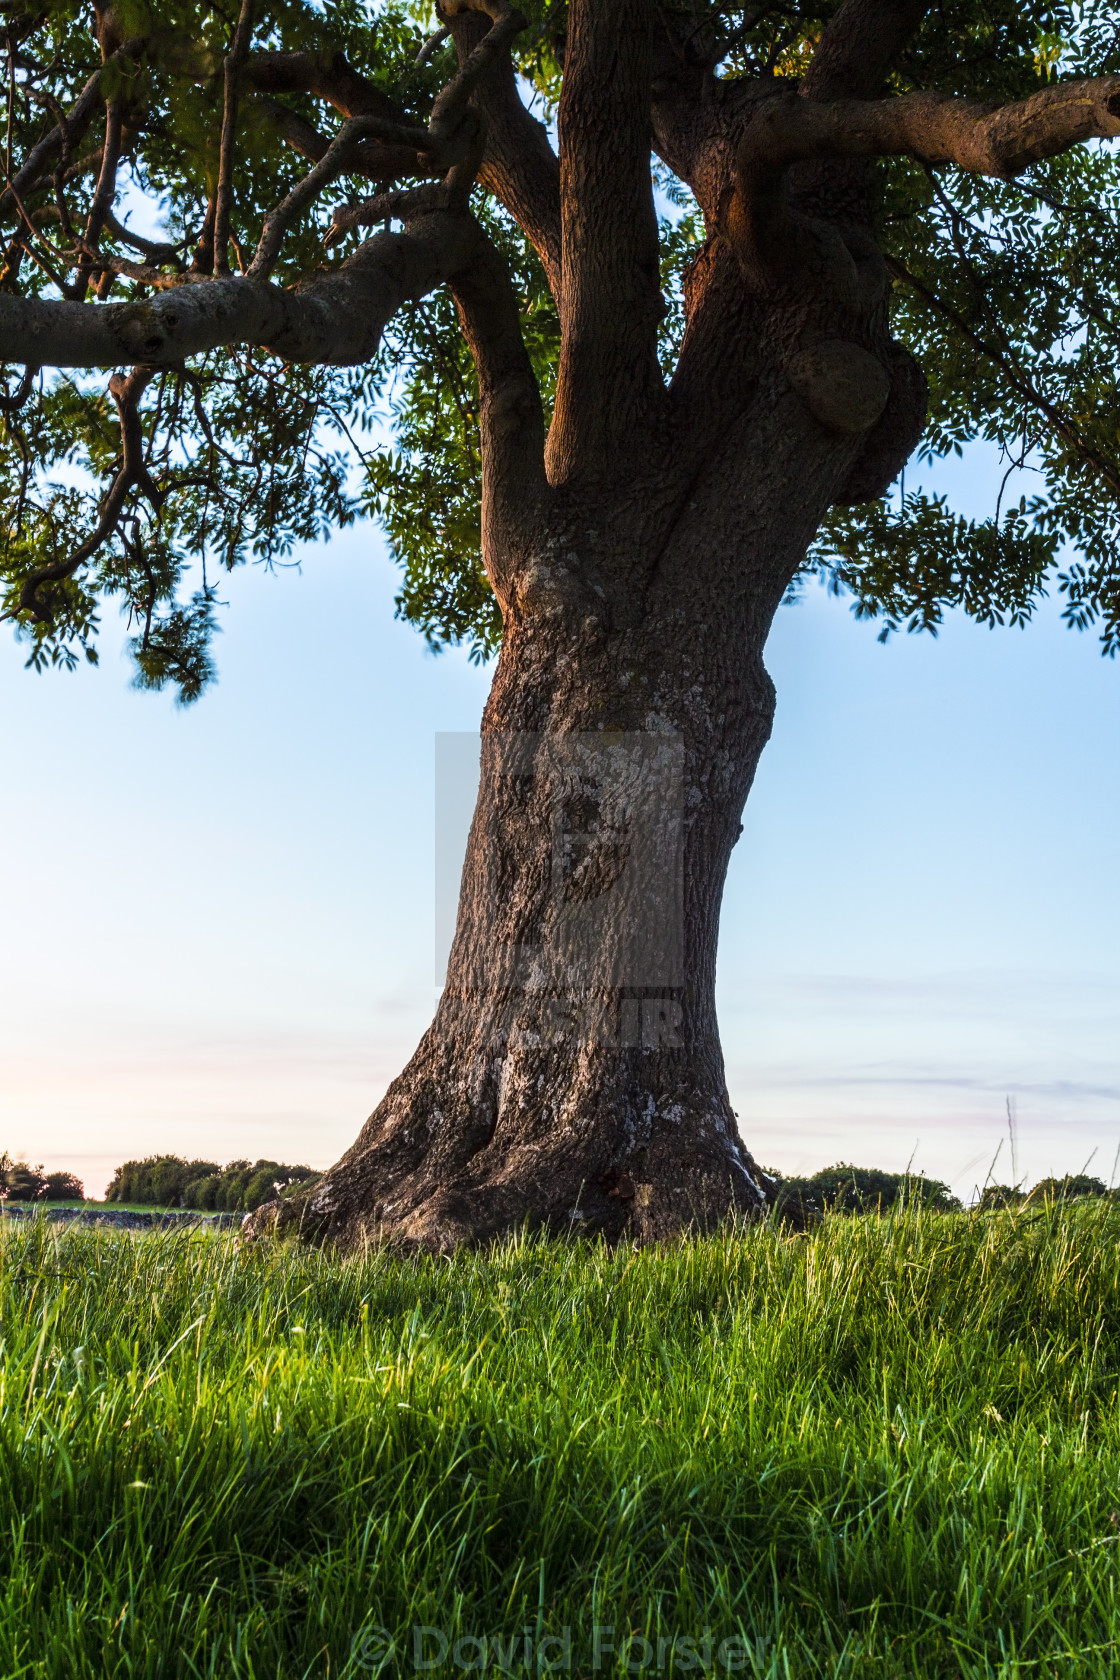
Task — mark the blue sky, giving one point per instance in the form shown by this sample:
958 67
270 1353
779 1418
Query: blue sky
218 925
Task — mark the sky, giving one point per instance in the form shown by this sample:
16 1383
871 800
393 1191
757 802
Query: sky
218 925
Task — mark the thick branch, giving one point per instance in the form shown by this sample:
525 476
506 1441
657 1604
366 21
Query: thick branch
519 165
514 487
336 319
609 379
975 135
978 136
859 47
332 79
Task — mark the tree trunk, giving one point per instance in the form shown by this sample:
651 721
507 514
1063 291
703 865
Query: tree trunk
572 1077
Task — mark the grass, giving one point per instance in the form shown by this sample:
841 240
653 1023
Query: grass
891 1447
87 1206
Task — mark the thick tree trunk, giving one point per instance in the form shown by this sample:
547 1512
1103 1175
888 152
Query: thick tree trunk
572 1077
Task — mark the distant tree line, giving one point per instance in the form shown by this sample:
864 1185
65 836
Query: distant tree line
242 1186
20 1182
170 1181
1046 1190
848 1189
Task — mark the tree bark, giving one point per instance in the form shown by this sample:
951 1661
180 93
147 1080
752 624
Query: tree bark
572 1076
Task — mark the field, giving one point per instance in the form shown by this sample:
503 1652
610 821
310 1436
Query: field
890 1447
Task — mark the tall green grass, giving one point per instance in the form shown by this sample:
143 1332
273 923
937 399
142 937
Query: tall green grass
889 1447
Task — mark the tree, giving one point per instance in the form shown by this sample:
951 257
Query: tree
847 1189
158 1180
170 1181
63 1187
642 381
21 1182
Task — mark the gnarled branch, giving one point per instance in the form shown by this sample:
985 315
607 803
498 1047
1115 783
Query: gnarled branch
981 137
514 487
519 165
336 319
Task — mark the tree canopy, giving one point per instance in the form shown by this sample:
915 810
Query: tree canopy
150 152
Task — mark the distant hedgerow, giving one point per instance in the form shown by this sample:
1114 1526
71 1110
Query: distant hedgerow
171 1181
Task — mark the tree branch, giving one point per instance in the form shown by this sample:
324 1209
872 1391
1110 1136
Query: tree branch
65 135
404 203
859 46
609 379
452 100
332 79
453 141
974 135
132 473
334 160
514 487
519 165
335 318
103 197
223 198
376 159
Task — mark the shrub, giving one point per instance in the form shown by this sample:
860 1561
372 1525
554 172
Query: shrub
1066 1189
21 1183
63 1187
1000 1196
202 1193
844 1188
158 1180
170 1181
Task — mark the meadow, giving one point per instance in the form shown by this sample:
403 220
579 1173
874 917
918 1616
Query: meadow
888 1447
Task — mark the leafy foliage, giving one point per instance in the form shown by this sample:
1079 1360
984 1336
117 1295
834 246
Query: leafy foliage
1007 292
20 1182
171 1181
1070 1188
847 1189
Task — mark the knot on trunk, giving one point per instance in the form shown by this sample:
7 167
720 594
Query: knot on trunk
895 436
844 387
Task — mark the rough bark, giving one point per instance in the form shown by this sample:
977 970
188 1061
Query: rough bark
572 1076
